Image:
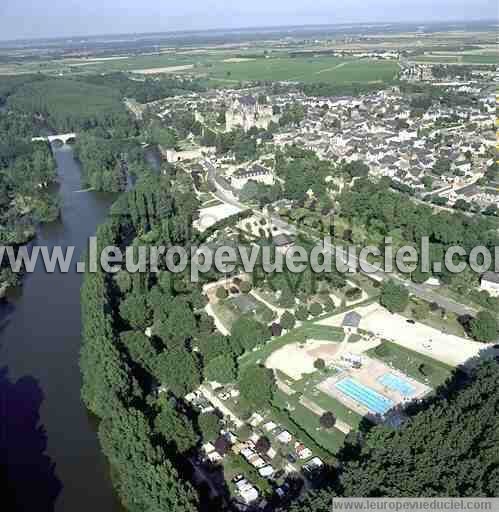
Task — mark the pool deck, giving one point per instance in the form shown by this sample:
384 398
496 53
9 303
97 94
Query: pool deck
369 376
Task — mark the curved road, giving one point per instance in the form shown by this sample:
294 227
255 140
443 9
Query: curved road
419 290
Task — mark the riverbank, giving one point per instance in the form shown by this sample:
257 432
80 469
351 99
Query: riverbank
40 340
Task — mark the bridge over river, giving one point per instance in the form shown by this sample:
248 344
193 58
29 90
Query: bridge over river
63 138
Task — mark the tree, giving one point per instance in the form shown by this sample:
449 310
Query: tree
288 320
421 310
212 346
209 425
394 297
320 364
257 386
222 293
222 369
245 287
175 324
178 370
247 333
135 310
175 427
302 313
263 445
315 309
484 327
328 420
140 349
145 477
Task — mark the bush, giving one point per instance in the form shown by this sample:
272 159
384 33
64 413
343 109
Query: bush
353 294
328 420
288 320
320 364
267 315
315 309
222 293
301 313
245 287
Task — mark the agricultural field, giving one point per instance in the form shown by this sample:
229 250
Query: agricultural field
223 67
479 59
304 69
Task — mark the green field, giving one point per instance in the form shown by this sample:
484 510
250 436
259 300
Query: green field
459 59
214 65
328 403
410 363
304 69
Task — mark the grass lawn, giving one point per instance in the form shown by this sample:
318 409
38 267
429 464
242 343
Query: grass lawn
328 403
302 424
331 440
449 324
410 362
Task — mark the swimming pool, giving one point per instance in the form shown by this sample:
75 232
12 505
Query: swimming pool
364 395
397 383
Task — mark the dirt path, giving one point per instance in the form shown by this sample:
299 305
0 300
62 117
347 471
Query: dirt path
218 324
216 402
338 66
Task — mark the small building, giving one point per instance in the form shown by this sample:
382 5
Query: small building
255 420
313 465
351 320
271 453
490 283
270 426
302 451
247 492
284 437
353 360
256 461
266 472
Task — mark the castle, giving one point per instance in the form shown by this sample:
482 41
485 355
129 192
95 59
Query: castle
246 112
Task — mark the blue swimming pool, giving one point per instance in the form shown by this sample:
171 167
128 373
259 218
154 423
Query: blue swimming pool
364 395
397 383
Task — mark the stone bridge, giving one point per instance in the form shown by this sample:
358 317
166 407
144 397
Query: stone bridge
64 138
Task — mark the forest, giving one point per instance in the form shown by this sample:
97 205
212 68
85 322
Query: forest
147 343
448 447
376 212
69 105
27 170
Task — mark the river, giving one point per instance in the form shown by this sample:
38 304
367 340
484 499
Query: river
41 339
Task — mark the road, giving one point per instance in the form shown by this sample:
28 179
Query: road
216 402
423 291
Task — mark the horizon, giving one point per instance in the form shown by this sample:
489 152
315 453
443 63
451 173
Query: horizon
21 21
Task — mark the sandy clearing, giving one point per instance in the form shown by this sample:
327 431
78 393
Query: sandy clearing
296 360
168 69
213 214
447 348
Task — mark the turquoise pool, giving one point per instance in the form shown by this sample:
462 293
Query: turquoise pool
397 383
365 396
